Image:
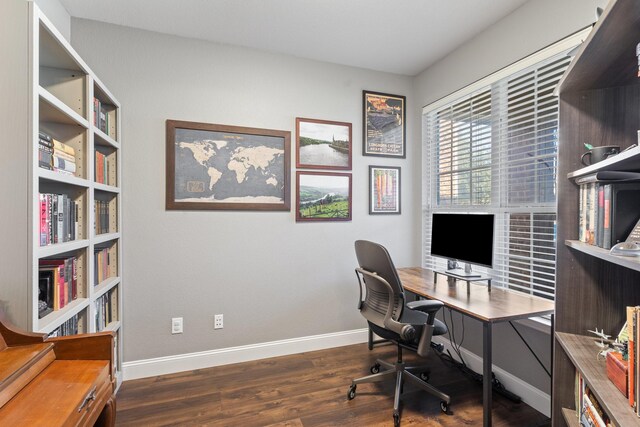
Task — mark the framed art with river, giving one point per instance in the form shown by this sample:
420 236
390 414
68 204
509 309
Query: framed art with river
323 144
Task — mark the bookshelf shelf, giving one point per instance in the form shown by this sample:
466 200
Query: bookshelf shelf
106 188
58 249
58 111
105 286
570 417
582 351
58 177
103 139
629 262
54 319
52 123
113 326
106 237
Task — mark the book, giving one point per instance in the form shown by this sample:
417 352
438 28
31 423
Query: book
64 148
617 371
60 163
600 224
606 220
631 350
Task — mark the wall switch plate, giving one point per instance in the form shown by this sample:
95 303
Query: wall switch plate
218 321
176 325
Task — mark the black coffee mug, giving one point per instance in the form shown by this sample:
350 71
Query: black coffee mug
598 154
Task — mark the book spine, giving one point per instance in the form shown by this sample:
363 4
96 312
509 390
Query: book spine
44 136
606 226
74 278
62 147
60 219
43 220
600 226
631 353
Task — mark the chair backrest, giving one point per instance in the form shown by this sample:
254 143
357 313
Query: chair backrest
375 259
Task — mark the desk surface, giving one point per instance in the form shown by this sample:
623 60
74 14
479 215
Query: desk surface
499 305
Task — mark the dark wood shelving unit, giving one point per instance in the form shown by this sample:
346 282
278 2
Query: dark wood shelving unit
599 105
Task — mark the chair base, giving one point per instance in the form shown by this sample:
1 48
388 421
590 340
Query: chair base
403 373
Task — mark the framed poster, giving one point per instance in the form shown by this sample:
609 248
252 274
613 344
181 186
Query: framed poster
323 144
384 190
222 167
383 125
323 196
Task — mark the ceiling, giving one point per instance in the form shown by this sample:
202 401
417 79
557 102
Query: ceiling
396 36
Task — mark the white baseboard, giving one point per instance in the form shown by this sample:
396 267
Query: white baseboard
207 359
537 399
533 397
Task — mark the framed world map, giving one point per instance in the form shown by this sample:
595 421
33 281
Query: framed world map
217 167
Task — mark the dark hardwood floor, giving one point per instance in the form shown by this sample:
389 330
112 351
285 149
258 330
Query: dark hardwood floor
308 389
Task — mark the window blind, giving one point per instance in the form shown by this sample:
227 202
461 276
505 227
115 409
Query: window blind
495 150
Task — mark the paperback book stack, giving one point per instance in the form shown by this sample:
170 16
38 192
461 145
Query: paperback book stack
603 219
102 216
56 155
105 309
102 168
102 262
70 327
45 151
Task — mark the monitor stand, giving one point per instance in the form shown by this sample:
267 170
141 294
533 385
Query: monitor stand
465 273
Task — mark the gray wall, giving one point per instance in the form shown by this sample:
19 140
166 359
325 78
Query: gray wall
535 25
271 277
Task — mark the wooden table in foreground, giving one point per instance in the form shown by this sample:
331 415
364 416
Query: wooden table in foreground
498 305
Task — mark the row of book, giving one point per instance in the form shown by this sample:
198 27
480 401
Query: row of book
57 283
102 263
101 117
102 216
607 207
56 155
103 166
58 218
69 327
106 309
590 412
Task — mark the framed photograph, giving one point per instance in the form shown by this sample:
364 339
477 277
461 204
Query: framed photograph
384 125
222 167
322 144
384 190
323 196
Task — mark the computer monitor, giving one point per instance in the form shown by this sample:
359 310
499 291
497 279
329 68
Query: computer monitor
463 237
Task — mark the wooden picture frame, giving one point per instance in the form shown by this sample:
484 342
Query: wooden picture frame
384 124
323 144
220 167
323 196
384 190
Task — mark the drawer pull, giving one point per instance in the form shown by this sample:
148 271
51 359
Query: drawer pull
88 398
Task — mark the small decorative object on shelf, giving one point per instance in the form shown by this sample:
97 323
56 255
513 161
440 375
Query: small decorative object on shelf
598 154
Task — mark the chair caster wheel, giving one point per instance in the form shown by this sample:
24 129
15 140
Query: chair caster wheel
396 420
375 368
444 406
351 394
424 376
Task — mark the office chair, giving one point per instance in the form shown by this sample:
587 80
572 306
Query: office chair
407 325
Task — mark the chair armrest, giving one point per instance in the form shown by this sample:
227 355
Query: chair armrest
425 306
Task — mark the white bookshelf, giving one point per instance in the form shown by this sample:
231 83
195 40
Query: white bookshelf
50 89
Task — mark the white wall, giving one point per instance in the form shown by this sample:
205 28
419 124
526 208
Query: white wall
58 15
271 277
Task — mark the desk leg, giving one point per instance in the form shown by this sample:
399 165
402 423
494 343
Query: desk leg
486 374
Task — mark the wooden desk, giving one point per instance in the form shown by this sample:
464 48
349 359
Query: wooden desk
499 305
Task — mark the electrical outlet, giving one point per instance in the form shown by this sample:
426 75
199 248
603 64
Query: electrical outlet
176 325
218 321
